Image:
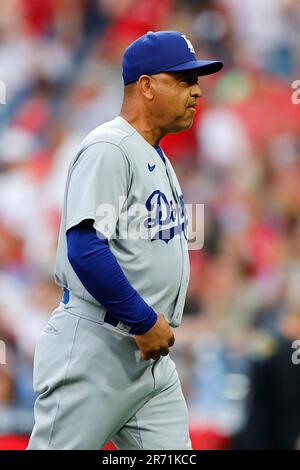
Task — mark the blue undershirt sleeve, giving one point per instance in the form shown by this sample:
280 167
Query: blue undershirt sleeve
101 275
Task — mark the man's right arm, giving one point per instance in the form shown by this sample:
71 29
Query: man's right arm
102 276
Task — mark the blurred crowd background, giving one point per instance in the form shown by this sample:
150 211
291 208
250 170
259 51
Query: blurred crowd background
61 63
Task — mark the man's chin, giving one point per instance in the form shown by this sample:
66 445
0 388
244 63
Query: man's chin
183 126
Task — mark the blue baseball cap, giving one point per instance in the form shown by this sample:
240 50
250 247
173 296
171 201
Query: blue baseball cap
163 51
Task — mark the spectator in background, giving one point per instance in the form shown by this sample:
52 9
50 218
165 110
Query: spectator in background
6 387
273 420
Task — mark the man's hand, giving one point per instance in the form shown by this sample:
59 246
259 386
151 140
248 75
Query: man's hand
157 340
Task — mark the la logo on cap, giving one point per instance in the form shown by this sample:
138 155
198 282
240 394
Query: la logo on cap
190 45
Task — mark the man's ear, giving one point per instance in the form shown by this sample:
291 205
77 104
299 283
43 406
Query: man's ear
146 86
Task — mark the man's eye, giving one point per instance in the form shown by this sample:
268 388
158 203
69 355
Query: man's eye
189 81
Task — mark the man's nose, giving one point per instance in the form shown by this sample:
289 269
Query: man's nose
196 91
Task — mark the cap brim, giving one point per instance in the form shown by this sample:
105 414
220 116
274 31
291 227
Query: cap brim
205 67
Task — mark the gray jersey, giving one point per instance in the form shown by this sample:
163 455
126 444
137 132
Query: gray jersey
118 180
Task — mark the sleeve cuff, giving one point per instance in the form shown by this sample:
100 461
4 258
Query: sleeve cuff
144 326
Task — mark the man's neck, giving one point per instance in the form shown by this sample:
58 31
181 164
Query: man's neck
151 134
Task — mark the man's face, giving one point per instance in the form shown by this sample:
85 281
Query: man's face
175 99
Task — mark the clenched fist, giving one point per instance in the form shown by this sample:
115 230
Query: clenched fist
157 341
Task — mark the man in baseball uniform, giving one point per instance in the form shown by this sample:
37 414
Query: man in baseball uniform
102 369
